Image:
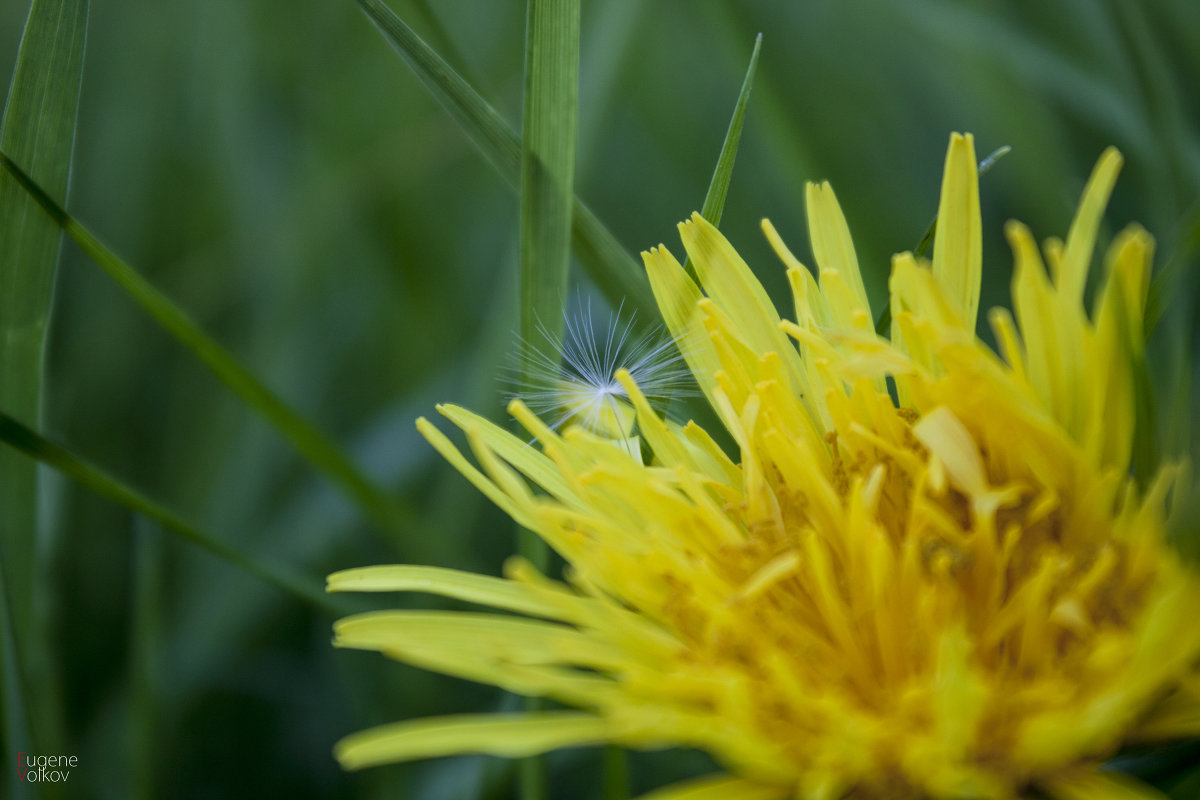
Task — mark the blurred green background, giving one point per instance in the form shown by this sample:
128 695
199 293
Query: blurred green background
275 168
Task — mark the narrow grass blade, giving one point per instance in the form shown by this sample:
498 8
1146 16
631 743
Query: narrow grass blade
550 127
610 266
616 774
551 114
325 456
718 186
27 441
1166 282
39 126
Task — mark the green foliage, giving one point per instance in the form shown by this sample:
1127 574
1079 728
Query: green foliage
323 454
39 125
21 438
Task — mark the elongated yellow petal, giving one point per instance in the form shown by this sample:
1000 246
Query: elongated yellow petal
511 735
490 635
1081 240
520 655
830 238
480 481
467 586
958 243
737 292
677 296
1035 310
809 303
532 463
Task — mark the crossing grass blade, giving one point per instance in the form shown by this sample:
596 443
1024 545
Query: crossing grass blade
549 137
27 441
718 186
39 126
551 117
322 453
611 267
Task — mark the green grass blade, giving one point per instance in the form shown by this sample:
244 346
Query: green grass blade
718 186
39 126
1166 282
609 265
482 123
548 164
616 773
29 442
550 127
320 451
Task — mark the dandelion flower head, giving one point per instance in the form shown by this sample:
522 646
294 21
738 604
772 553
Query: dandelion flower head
947 588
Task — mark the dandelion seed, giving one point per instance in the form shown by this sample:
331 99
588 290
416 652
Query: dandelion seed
576 384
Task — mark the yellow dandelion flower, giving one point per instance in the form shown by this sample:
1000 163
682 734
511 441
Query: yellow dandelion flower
962 594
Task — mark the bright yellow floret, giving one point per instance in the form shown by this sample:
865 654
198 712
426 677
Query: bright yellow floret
962 594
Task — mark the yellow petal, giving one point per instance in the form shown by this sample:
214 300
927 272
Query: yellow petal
806 296
520 655
1035 310
532 463
737 292
829 235
958 244
466 586
677 296
950 441
508 735
513 639
468 470
1081 240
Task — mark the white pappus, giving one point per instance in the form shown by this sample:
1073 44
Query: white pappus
576 384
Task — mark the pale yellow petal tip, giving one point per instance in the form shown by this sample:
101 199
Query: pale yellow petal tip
655 254
345 759
1016 231
961 139
694 226
336 580
1111 158
815 188
515 568
960 160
